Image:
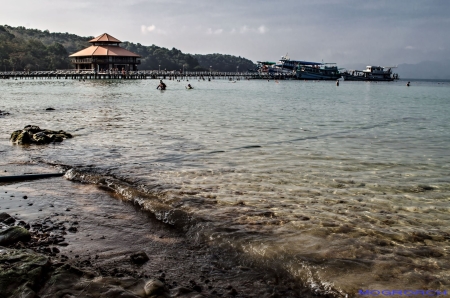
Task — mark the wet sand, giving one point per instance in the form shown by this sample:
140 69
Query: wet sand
101 232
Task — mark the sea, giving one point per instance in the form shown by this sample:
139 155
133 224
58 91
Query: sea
345 189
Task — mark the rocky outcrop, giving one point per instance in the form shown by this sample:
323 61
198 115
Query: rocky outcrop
32 134
21 272
13 235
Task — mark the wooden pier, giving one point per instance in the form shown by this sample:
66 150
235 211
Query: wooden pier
141 75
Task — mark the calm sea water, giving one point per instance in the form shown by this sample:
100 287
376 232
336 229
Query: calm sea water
343 188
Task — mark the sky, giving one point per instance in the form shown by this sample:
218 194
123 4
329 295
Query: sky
346 32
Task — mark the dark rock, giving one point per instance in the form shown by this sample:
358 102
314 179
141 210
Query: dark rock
26 271
49 109
32 129
32 134
25 197
41 138
15 135
13 235
22 138
73 229
23 224
139 257
233 292
197 288
4 216
9 221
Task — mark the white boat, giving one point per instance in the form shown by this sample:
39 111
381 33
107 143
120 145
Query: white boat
371 73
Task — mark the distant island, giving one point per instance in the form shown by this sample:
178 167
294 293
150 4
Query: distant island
33 49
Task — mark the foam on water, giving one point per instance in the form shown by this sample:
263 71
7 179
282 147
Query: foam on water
344 188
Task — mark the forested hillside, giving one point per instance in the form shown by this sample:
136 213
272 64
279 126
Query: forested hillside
154 57
22 48
28 51
225 62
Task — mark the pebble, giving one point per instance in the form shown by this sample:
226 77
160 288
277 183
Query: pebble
73 229
139 257
233 292
153 287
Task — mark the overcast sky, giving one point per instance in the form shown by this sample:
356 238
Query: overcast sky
376 32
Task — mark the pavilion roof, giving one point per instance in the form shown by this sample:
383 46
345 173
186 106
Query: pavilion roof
105 37
104 51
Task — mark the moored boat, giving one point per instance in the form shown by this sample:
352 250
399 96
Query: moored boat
318 71
371 73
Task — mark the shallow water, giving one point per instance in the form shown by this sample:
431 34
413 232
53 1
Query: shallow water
344 188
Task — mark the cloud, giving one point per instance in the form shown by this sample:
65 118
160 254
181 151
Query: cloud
262 29
409 48
214 32
152 29
245 29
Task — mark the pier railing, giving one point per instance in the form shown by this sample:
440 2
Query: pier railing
139 74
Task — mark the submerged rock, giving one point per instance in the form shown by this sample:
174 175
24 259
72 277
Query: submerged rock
4 216
21 272
139 257
32 134
13 235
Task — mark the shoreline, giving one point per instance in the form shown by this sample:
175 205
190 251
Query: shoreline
102 232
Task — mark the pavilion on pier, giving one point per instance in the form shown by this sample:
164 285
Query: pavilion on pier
105 53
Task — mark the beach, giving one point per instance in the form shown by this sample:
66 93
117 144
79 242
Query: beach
288 189
102 233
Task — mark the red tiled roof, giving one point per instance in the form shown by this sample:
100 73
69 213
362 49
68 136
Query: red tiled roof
105 37
104 51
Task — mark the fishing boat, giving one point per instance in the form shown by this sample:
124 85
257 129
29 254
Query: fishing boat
317 71
371 73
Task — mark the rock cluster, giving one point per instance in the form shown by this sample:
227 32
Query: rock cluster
42 235
27 271
32 134
3 113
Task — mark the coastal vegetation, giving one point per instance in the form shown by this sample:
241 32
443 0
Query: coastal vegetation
227 63
33 49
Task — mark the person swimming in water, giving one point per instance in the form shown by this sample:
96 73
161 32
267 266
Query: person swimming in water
189 86
161 85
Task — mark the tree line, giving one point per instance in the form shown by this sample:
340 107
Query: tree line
33 49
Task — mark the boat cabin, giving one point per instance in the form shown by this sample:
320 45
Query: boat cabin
375 69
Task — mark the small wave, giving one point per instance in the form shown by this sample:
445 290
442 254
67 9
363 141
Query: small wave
215 234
